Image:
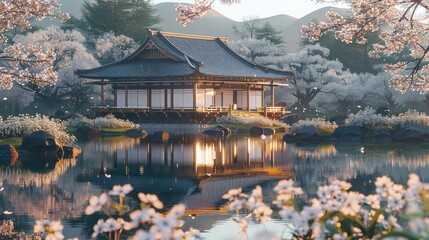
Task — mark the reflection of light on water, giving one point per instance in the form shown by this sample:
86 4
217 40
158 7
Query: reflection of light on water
18 176
228 229
321 151
112 144
205 154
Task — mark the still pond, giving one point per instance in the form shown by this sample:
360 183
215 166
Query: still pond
196 170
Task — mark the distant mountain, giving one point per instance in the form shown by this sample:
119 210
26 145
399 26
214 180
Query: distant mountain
291 33
216 24
213 23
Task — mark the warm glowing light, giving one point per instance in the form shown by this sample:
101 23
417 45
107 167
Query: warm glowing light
205 154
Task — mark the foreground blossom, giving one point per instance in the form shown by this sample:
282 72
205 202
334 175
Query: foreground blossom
151 200
53 229
145 222
96 203
121 190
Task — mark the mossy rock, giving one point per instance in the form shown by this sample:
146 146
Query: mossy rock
350 133
8 155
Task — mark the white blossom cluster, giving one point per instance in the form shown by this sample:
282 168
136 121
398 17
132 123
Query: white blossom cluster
25 63
52 229
108 121
404 25
410 117
319 123
7 230
334 213
337 213
250 120
149 223
69 54
367 118
18 126
113 48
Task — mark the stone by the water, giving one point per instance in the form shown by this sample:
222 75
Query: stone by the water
8 155
71 151
309 134
289 119
258 131
412 133
289 138
218 131
136 133
350 133
40 140
381 135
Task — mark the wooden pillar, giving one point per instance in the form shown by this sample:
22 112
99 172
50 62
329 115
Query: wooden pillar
115 95
126 95
195 96
272 95
214 98
172 99
248 98
166 98
149 154
172 155
263 96
221 98
149 98
102 95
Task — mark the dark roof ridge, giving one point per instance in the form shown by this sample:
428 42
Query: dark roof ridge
186 35
135 53
189 58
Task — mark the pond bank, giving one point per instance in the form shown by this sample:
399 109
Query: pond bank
175 128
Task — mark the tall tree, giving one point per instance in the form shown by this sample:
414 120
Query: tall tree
260 51
250 24
268 32
122 17
404 25
110 48
353 56
318 82
25 63
70 92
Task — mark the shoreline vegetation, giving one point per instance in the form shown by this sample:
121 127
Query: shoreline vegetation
366 126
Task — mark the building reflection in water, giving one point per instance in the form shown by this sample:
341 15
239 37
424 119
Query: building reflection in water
198 170
192 156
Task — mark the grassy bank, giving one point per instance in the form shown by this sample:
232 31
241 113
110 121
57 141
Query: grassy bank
14 141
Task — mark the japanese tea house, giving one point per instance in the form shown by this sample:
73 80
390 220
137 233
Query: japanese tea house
189 76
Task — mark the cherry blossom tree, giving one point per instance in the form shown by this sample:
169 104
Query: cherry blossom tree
378 93
317 81
25 63
188 13
70 54
261 51
404 26
111 47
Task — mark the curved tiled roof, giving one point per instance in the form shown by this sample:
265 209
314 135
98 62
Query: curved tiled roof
185 55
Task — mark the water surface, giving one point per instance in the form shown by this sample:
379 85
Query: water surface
196 170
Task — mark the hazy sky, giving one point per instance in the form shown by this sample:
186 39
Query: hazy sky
263 8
